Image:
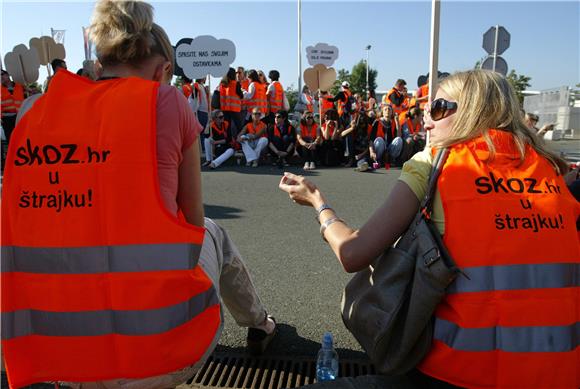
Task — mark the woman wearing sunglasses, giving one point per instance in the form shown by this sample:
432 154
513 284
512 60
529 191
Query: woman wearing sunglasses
309 139
501 205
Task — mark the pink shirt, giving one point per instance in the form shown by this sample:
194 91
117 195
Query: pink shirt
177 129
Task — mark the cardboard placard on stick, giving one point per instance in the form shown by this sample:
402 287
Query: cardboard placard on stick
48 50
22 63
319 77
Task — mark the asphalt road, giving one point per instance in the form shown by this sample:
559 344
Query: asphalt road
295 272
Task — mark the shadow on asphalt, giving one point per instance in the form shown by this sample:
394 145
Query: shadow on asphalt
263 170
221 212
288 342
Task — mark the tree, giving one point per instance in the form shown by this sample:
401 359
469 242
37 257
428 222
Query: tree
520 83
292 96
358 78
343 75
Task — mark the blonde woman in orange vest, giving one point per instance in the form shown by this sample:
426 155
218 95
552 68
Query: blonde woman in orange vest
253 138
509 223
124 274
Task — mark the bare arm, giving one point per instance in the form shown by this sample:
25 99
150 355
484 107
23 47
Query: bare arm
189 197
356 249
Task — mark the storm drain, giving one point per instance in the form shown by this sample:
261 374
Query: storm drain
227 370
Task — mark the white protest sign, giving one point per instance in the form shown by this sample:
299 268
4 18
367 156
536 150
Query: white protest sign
322 53
205 55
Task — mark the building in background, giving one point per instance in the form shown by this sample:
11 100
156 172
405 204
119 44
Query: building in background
558 105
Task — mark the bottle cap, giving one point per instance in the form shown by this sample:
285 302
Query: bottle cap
327 339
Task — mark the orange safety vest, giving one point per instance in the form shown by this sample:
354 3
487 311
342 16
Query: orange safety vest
424 91
93 265
309 105
276 99
413 129
258 100
254 130
387 99
341 104
186 89
381 129
229 99
311 131
11 102
511 228
245 84
330 131
326 105
220 132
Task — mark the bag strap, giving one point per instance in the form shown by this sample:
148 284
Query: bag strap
438 162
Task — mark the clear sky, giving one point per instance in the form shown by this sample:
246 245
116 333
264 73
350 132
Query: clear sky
545 35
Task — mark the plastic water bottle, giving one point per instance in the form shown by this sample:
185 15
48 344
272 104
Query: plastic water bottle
327 362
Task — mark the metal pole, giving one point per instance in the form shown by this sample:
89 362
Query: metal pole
299 48
495 46
368 48
434 54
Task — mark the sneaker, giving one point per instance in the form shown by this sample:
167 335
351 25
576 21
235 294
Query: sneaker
306 166
249 163
312 166
212 166
255 163
362 167
205 164
258 339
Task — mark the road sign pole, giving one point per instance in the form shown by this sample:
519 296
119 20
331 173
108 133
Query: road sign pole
434 54
495 46
299 48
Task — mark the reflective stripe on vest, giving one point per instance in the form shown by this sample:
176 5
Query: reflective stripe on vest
511 228
277 98
258 100
103 259
229 99
424 92
93 265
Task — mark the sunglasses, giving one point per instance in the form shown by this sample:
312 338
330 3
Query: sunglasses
278 116
440 109
256 113
309 118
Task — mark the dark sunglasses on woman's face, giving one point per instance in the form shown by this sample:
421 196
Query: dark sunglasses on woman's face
441 108
309 118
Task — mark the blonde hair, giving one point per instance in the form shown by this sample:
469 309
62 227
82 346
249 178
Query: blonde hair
124 33
486 100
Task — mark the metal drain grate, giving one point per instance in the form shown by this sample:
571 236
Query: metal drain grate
227 370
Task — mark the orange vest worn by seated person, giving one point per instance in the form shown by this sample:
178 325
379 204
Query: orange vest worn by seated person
94 268
254 130
511 228
310 132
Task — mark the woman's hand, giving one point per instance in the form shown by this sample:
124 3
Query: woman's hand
301 190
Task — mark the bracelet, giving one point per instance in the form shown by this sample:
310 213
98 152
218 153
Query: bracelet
320 209
327 223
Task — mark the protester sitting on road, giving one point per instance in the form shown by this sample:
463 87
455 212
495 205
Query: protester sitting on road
218 146
253 138
282 138
359 130
331 150
412 133
125 281
499 185
309 139
384 130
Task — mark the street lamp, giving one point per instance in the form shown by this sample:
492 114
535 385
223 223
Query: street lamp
368 49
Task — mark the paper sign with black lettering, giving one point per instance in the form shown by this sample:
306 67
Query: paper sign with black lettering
205 55
322 53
